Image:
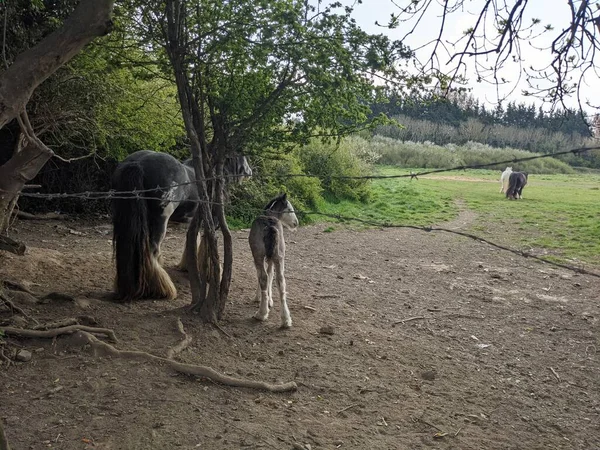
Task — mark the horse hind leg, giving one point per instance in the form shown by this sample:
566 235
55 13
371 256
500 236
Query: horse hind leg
286 318
263 309
156 280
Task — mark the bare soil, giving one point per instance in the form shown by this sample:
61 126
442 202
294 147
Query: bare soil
438 342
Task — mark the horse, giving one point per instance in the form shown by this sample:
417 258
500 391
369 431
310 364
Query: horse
516 183
140 225
504 179
267 244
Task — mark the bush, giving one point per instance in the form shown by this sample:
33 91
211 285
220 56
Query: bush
348 159
430 156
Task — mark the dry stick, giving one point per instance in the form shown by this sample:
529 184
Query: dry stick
220 328
188 369
58 331
183 344
347 408
555 374
409 319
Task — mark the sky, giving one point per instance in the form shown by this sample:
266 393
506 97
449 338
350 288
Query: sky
553 12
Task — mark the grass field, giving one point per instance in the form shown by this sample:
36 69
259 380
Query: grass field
559 217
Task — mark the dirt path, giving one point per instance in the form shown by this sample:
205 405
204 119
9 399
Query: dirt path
482 330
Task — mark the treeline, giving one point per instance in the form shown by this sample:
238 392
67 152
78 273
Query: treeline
463 119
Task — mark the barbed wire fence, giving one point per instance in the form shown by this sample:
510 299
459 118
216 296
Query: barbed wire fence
145 194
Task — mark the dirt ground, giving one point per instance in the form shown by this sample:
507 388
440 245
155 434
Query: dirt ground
495 351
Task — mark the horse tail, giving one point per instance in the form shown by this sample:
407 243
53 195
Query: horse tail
131 235
271 240
511 185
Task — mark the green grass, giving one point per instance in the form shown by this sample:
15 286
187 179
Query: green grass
558 218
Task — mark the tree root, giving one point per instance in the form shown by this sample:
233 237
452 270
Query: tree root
3 440
11 245
58 331
58 324
8 302
183 344
188 369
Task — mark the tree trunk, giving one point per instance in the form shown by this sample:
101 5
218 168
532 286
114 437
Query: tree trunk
19 169
90 19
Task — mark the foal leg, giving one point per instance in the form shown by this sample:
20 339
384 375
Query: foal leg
270 282
286 319
263 309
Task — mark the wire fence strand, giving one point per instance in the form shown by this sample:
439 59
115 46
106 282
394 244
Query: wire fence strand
112 194
143 194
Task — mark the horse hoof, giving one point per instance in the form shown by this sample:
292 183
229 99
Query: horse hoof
259 317
286 324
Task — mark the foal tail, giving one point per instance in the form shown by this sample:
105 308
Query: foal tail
271 238
131 236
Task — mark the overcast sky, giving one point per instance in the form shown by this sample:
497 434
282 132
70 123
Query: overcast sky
553 12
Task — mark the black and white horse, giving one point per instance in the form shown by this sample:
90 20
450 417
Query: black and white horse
268 247
140 225
516 183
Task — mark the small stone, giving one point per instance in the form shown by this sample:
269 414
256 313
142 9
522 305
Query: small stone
23 356
261 359
328 329
429 375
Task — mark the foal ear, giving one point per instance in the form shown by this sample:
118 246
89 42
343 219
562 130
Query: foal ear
283 196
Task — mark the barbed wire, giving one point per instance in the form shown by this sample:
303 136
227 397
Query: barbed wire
139 195
114 194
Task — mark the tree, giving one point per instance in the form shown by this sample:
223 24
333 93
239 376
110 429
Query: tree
258 76
495 39
90 19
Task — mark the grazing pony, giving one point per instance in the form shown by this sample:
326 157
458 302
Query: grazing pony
140 224
504 179
516 183
268 246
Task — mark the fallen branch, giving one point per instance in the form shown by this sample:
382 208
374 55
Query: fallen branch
185 341
554 373
58 331
188 369
48 216
6 243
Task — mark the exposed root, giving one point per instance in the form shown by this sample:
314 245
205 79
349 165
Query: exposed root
3 440
14 286
58 331
189 369
183 344
12 246
58 324
8 302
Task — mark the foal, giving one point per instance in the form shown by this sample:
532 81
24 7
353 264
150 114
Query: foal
268 245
